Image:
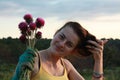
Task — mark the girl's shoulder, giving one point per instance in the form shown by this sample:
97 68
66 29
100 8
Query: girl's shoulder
68 65
67 62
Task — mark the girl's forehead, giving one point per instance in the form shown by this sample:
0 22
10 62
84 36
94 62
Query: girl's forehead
70 34
68 31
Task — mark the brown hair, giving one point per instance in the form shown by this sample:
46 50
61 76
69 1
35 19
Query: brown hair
83 35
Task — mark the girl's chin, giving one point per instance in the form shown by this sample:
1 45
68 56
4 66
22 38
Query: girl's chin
56 50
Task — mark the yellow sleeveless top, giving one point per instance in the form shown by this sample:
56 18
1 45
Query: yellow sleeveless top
43 75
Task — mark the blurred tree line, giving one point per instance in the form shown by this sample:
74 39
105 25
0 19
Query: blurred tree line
11 49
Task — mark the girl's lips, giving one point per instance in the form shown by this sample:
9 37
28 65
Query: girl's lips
57 48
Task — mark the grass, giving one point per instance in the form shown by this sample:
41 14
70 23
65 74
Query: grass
112 74
109 74
7 70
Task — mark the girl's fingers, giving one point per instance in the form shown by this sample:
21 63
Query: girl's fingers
95 44
94 49
105 41
102 42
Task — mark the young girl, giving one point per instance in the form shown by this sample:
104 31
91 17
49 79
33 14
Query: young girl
71 39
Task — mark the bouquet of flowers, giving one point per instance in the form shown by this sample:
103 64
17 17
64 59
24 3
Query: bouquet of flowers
29 35
29 30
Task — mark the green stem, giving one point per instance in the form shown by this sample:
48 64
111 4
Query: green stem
29 44
34 40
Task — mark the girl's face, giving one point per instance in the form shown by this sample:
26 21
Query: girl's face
64 42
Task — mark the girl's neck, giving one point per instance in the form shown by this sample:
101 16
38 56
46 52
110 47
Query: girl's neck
51 57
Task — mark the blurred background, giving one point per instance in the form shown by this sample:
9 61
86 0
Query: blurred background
99 17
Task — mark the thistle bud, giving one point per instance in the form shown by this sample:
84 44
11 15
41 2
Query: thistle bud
38 35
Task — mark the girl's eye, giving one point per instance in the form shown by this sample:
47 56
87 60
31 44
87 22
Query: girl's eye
69 45
61 37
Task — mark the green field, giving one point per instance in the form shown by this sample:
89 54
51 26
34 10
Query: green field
7 70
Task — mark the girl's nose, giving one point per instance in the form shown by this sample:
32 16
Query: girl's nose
62 44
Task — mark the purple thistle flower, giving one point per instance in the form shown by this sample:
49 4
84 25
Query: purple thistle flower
28 18
23 26
32 26
23 38
39 22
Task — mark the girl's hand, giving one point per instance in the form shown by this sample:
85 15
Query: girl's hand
96 48
25 65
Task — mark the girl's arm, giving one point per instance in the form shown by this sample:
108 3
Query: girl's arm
97 51
98 65
72 72
25 65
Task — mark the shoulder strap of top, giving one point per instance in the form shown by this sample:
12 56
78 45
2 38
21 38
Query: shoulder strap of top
39 62
63 63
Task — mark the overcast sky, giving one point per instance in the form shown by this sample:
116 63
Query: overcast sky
99 17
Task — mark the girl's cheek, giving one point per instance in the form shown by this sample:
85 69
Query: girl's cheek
55 40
